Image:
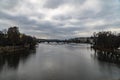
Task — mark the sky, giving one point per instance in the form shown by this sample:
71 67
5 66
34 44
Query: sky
60 19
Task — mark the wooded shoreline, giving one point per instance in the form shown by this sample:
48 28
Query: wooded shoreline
13 49
12 41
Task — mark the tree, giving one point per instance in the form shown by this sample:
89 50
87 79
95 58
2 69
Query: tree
106 40
1 38
13 35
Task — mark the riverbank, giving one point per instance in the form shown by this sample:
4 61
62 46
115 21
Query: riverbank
107 55
104 49
12 49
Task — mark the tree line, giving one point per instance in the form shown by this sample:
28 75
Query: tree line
106 40
12 37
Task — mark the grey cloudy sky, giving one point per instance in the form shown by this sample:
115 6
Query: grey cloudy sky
60 18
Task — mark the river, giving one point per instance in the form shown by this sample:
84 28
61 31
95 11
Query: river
57 62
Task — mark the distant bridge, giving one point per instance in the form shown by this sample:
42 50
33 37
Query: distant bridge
64 41
52 41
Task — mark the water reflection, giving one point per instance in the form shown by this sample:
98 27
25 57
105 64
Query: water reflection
57 62
11 60
108 56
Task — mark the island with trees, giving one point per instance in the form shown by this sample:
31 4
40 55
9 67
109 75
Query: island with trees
107 46
12 40
106 40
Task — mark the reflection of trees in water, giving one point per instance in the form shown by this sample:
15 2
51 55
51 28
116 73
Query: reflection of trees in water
108 56
12 60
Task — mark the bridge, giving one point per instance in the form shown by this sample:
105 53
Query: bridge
74 40
53 41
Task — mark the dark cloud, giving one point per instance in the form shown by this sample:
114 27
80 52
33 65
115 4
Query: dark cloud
56 3
108 26
53 3
8 4
21 19
62 17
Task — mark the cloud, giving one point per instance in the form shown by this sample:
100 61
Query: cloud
60 18
7 4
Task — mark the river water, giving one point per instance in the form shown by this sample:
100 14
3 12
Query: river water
57 62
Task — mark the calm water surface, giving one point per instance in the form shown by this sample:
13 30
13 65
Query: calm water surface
57 62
